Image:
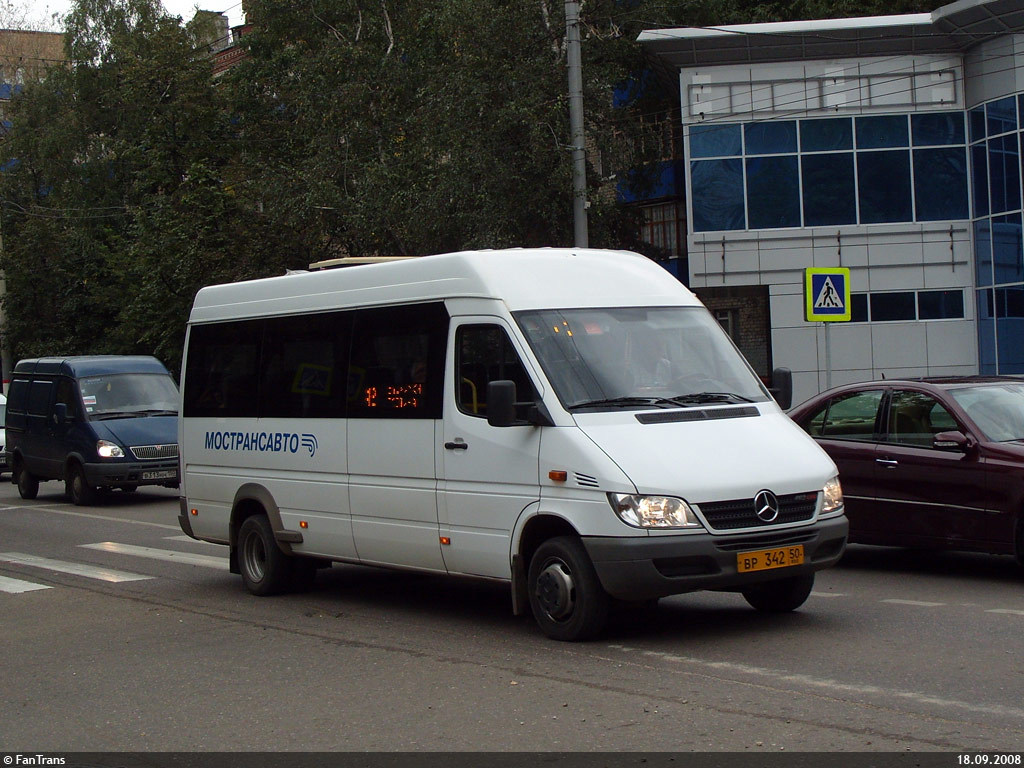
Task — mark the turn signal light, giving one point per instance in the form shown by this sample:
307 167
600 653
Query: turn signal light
194 511
303 524
558 475
446 540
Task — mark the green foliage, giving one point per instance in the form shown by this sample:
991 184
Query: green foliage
364 127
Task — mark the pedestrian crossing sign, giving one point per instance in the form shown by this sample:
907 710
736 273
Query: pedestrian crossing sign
827 291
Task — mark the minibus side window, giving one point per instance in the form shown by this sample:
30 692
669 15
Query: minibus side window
304 359
396 369
485 354
222 369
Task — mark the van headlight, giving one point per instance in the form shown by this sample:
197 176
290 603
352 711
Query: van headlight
653 511
109 450
833 501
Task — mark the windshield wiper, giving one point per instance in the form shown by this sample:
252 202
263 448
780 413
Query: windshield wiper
709 397
623 402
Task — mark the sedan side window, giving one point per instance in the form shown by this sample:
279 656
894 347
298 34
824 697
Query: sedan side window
849 416
915 418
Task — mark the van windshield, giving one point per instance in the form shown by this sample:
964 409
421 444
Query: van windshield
639 357
127 395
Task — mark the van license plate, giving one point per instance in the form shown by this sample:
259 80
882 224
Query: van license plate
162 474
765 559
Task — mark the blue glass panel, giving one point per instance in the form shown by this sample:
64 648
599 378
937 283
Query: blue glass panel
976 118
1006 249
940 184
979 166
717 187
715 140
986 332
882 131
1010 329
887 307
770 138
825 135
773 192
983 252
858 307
933 128
1002 115
883 183
940 305
829 196
1004 173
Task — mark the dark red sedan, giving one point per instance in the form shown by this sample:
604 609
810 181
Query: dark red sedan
936 463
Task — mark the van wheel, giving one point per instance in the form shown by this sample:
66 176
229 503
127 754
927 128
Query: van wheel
780 596
77 487
28 484
266 570
1018 546
566 596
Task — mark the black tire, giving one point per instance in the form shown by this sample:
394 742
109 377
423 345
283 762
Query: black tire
1018 545
28 484
77 487
781 595
266 570
566 596
303 574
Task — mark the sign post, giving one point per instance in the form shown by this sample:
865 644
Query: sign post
827 300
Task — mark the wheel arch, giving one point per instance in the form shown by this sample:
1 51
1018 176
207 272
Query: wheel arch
534 530
255 499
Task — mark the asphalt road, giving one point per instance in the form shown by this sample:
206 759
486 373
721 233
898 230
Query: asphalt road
156 647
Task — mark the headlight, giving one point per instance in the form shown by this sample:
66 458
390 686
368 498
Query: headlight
833 502
109 450
653 511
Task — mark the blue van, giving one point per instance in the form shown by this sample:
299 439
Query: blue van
95 422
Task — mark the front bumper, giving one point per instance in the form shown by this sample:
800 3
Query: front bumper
642 568
111 474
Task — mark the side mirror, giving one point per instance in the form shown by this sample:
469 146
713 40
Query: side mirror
501 403
953 441
60 413
782 387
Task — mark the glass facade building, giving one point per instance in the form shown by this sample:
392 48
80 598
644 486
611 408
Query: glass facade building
999 257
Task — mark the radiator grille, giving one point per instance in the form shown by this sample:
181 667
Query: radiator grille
740 513
145 452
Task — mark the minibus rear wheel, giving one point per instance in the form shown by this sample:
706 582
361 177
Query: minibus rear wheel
566 596
781 595
266 570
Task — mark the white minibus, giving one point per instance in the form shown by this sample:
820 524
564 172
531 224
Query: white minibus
572 422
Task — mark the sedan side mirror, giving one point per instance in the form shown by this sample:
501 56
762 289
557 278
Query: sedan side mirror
782 387
953 441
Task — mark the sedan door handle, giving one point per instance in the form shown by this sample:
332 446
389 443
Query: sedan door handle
887 462
456 446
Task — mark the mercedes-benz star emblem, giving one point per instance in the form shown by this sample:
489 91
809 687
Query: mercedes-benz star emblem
766 506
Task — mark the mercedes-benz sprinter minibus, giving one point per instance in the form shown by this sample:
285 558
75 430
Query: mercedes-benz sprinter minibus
572 422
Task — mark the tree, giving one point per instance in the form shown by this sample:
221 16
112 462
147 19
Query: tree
116 209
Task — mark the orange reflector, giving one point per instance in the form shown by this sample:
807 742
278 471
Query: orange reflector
303 524
195 511
445 540
558 475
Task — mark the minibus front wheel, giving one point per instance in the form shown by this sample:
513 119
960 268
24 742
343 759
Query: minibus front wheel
566 596
781 595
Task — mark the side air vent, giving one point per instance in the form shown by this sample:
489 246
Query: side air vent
586 481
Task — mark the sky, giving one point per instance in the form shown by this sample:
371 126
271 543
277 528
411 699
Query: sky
185 8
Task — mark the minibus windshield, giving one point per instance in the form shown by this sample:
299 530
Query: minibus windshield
639 357
128 395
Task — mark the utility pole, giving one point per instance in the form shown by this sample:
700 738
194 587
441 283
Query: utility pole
579 152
